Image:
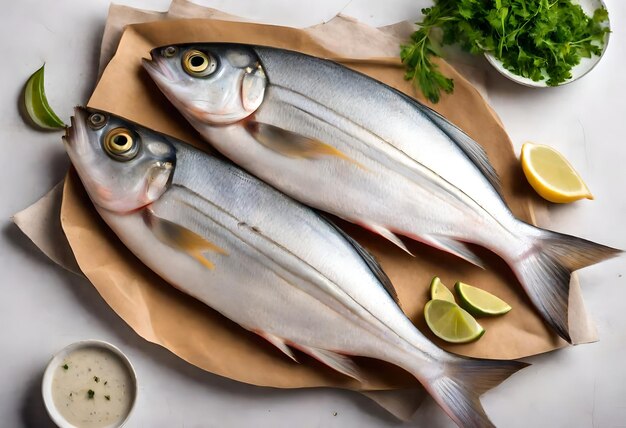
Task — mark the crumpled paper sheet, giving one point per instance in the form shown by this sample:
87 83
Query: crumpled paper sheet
41 222
158 312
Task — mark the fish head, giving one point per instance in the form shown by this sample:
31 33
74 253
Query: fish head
212 84
123 166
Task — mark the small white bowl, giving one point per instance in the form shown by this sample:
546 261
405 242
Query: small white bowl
585 66
55 362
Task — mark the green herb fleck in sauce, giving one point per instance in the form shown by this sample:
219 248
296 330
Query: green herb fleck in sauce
90 394
96 379
65 367
108 397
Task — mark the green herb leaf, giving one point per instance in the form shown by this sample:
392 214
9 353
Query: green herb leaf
537 39
90 394
65 367
96 379
108 397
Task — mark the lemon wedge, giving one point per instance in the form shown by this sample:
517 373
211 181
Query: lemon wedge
37 105
451 323
438 291
551 175
480 302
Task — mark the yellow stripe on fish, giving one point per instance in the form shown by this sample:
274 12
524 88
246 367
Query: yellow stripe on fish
292 144
183 239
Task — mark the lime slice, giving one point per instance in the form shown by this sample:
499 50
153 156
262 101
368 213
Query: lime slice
451 323
438 291
551 175
480 302
37 105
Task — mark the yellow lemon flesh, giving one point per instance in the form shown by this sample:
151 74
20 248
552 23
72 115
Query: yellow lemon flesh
551 175
451 323
480 302
438 291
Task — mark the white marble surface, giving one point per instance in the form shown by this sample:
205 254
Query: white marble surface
43 308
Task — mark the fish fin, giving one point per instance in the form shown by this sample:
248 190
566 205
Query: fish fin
292 144
546 268
277 342
470 147
458 248
335 361
181 238
387 234
458 389
370 260
253 88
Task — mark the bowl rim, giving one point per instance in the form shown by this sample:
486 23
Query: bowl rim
525 81
46 382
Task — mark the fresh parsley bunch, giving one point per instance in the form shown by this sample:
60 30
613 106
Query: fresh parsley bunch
538 39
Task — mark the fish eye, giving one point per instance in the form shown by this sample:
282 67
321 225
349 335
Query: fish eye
120 144
97 120
198 64
169 51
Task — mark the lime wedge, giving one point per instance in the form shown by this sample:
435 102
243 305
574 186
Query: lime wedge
451 323
37 105
480 302
438 291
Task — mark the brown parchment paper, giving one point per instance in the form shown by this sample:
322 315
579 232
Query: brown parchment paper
160 313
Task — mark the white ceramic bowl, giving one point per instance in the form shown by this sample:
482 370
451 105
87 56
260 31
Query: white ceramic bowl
585 66
55 362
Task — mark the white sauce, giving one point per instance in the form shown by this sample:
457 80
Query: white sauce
95 390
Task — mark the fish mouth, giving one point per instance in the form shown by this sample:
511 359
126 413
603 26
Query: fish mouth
205 112
76 134
158 69
163 75
70 132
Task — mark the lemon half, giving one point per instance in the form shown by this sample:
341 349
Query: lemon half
551 175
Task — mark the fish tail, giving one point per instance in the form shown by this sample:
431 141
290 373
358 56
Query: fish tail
463 381
546 268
